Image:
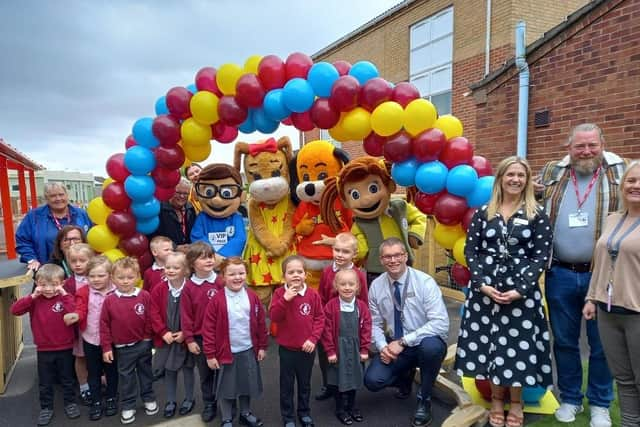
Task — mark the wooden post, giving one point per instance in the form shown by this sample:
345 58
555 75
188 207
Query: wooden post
32 188
23 190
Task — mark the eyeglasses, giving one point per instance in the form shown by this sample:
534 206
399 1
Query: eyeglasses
393 257
226 191
72 239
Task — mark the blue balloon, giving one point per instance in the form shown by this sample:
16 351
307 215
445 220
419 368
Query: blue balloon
145 210
148 225
192 88
248 126
462 180
431 177
363 71
532 395
263 123
321 77
139 160
481 193
404 173
161 106
274 106
143 133
139 188
297 95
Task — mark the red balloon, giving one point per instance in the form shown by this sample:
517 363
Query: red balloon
164 193
206 80
115 197
322 115
287 121
167 129
373 144
135 245
223 133
375 92
302 121
145 261
482 166
343 67
177 100
457 151
230 112
344 94
170 158
428 145
122 223
116 168
404 93
449 209
466 218
249 91
297 65
460 274
426 202
398 147
129 142
166 177
272 72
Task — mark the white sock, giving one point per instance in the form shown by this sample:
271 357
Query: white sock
84 387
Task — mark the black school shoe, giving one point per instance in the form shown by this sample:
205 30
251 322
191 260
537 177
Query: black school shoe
306 421
45 416
86 398
324 394
422 417
186 407
72 411
111 407
208 412
250 420
169 409
95 412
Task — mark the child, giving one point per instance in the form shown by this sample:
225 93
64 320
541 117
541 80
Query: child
160 247
78 256
198 290
298 311
346 339
125 328
47 306
89 302
235 340
171 351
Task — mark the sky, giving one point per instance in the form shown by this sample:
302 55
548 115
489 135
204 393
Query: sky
76 74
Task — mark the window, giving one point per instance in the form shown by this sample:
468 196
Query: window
431 58
324 134
15 187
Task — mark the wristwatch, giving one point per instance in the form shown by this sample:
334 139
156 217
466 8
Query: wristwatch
403 342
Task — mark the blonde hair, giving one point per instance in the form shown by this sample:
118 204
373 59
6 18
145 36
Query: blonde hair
181 259
99 261
527 197
155 242
81 249
50 273
624 208
348 239
126 263
341 273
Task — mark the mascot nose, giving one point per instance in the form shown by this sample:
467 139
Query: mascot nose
310 189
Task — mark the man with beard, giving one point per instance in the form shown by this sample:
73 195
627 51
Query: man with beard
177 216
578 193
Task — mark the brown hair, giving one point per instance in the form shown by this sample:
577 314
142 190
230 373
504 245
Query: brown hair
220 171
290 259
126 263
186 168
197 250
57 255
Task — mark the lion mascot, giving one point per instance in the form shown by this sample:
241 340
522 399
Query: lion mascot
365 186
270 237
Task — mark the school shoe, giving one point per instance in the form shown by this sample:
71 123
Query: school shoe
208 412
186 406
323 394
600 417
289 424
405 384
151 408
95 412
72 411
226 423
567 412
111 407
422 417
85 398
250 420
127 416
169 409
45 416
306 421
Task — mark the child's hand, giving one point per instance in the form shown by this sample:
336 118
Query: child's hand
107 357
290 293
333 359
261 355
364 357
70 318
213 363
168 337
37 292
60 290
308 346
178 337
194 347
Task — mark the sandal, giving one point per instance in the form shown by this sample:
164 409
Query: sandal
515 420
496 416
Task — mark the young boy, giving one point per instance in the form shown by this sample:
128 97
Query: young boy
125 327
161 247
47 306
345 249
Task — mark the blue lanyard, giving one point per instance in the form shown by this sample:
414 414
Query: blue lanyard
614 248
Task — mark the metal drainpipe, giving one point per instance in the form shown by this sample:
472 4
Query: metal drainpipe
523 92
487 40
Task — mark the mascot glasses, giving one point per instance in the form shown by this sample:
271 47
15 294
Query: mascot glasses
226 191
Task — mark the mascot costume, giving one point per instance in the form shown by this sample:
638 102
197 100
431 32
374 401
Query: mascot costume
219 190
315 162
365 186
270 240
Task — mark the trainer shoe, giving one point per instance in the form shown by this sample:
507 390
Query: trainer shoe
72 411
151 408
567 412
600 417
45 416
127 416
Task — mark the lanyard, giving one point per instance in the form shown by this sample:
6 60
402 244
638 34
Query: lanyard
183 221
613 248
574 180
400 306
57 222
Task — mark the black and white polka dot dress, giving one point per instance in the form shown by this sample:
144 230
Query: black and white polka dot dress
508 344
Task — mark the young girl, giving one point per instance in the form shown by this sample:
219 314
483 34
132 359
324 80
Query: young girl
77 259
298 311
346 339
199 289
171 352
89 300
235 340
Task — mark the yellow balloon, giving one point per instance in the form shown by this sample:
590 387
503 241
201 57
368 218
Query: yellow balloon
338 132
186 162
447 235
227 77
419 115
387 118
357 123
114 254
194 133
450 125
458 250
251 64
204 107
197 153
101 238
106 182
98 211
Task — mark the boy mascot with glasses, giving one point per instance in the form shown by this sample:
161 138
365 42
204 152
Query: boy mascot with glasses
219 190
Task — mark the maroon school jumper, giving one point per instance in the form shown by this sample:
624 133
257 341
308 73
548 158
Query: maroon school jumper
331 331
125 319
193 302
47 324
327 291
299 320
152 276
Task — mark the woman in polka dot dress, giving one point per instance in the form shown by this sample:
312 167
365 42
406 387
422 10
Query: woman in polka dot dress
503 336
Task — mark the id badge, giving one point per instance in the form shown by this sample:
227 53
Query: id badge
609 295
578 219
